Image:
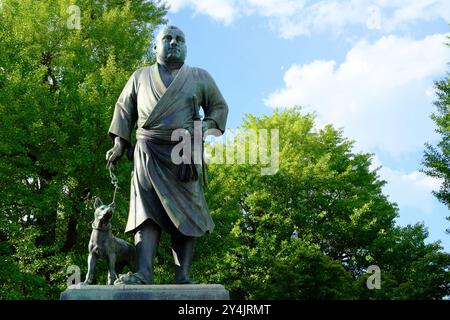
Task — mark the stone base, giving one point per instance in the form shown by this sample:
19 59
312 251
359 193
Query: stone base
147 292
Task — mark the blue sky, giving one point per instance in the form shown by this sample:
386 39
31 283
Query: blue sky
365 66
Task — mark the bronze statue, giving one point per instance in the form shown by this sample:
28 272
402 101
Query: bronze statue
164 196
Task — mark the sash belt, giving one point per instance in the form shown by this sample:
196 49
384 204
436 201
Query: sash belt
186 171
159 136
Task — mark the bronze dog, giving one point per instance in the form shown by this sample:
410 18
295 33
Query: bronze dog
118 253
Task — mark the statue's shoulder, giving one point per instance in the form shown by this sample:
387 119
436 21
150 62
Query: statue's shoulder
200 74
140 71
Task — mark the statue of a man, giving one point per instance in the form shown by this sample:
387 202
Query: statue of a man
158 100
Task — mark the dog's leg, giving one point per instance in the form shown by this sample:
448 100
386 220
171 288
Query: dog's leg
91 267
112 276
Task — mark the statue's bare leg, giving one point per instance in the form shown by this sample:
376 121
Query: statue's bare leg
183 254
146 240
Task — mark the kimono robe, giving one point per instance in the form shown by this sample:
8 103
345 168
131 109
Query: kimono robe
156 191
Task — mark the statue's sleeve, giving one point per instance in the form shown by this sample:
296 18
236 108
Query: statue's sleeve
213 104
125 111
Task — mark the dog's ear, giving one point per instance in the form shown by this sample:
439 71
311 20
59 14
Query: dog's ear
98 202
113 206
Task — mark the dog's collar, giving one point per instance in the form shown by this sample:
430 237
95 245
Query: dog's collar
107 228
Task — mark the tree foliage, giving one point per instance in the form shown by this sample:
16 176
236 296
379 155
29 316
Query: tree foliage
58 85
437 158
328 195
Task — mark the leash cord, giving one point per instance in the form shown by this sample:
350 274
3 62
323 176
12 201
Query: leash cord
114 182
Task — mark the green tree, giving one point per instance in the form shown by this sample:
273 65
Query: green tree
311 230
437 158
58 85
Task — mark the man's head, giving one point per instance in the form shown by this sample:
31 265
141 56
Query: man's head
170 46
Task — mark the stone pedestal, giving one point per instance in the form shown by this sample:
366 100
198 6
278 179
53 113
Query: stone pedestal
147 292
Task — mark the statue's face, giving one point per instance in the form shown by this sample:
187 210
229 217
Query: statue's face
170 46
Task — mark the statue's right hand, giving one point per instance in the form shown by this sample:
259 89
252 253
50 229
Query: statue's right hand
115 152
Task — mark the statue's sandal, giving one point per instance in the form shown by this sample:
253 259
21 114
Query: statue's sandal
131 278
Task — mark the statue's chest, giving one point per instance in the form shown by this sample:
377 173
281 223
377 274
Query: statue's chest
99 251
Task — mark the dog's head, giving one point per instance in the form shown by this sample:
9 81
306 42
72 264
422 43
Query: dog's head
103 213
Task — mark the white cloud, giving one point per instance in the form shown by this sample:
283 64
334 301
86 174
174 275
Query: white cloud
410 10
411 190
292 18
378 94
